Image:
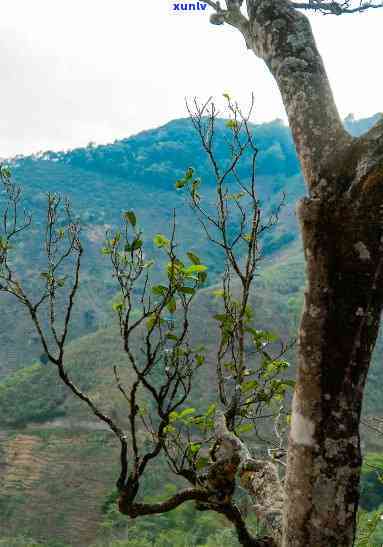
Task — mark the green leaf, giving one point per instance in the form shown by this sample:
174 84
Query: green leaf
270 337
202 276
137 244
186 290
275 366
194 194
194 448
261 336
245 428
219 293
169 429
199 359
173 416
232 124
226 96
198 420
211 410
189 173
117 306
6 172
61 282
195 268
159 290
249 313
249 386
201 463
186 412
220 317
235 197
171 305
181 183
173 268
161 241
130 217
193 258
171 336
106 251
151 321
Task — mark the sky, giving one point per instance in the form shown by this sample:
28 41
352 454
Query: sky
76 71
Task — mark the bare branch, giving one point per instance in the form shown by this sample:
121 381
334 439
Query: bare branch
335 8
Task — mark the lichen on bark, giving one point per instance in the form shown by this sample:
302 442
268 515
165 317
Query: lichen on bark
342 233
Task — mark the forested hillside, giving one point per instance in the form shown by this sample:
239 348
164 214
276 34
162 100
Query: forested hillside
57 466
137 173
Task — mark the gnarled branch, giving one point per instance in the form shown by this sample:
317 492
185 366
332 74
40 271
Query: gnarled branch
260 478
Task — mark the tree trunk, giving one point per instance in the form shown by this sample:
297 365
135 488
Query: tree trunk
341 223
339 326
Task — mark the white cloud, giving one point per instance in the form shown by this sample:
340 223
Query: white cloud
81 70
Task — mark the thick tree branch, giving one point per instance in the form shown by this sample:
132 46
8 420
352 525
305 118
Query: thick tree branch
282 37
230 511
134 510
259 478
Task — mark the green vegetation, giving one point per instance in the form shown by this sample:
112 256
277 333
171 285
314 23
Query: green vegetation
372 482
102 181
136 173
139 173
182 527
370 528
21 395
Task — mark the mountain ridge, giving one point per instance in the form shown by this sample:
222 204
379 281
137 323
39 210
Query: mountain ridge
55 480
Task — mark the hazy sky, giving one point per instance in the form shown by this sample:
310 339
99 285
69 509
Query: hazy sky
79 70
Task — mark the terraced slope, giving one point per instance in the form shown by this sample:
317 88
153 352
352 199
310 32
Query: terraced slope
53 484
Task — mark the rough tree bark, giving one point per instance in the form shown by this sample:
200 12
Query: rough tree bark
342 229
258 477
